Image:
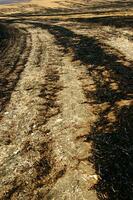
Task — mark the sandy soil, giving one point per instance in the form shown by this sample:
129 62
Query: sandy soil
66 100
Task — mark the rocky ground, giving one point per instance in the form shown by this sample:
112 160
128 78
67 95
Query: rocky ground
66 100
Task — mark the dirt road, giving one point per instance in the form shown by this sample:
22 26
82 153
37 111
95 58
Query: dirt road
66 101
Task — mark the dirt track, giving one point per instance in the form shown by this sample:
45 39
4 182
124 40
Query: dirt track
66 102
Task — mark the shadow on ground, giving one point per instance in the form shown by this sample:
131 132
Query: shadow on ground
116 21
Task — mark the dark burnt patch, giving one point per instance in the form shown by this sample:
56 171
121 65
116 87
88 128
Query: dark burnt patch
42 167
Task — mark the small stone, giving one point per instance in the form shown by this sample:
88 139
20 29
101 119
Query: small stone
6 113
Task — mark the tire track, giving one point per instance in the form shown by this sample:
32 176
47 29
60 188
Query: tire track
25 160
71 154
44 115
72 174
110 96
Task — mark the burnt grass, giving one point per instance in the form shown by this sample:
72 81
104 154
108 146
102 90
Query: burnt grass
112 141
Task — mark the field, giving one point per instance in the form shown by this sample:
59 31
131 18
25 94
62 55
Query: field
66 100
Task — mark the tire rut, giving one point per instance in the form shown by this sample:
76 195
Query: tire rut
72 174
70 153
110 98
25 145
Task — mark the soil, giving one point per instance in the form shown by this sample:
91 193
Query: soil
66 100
